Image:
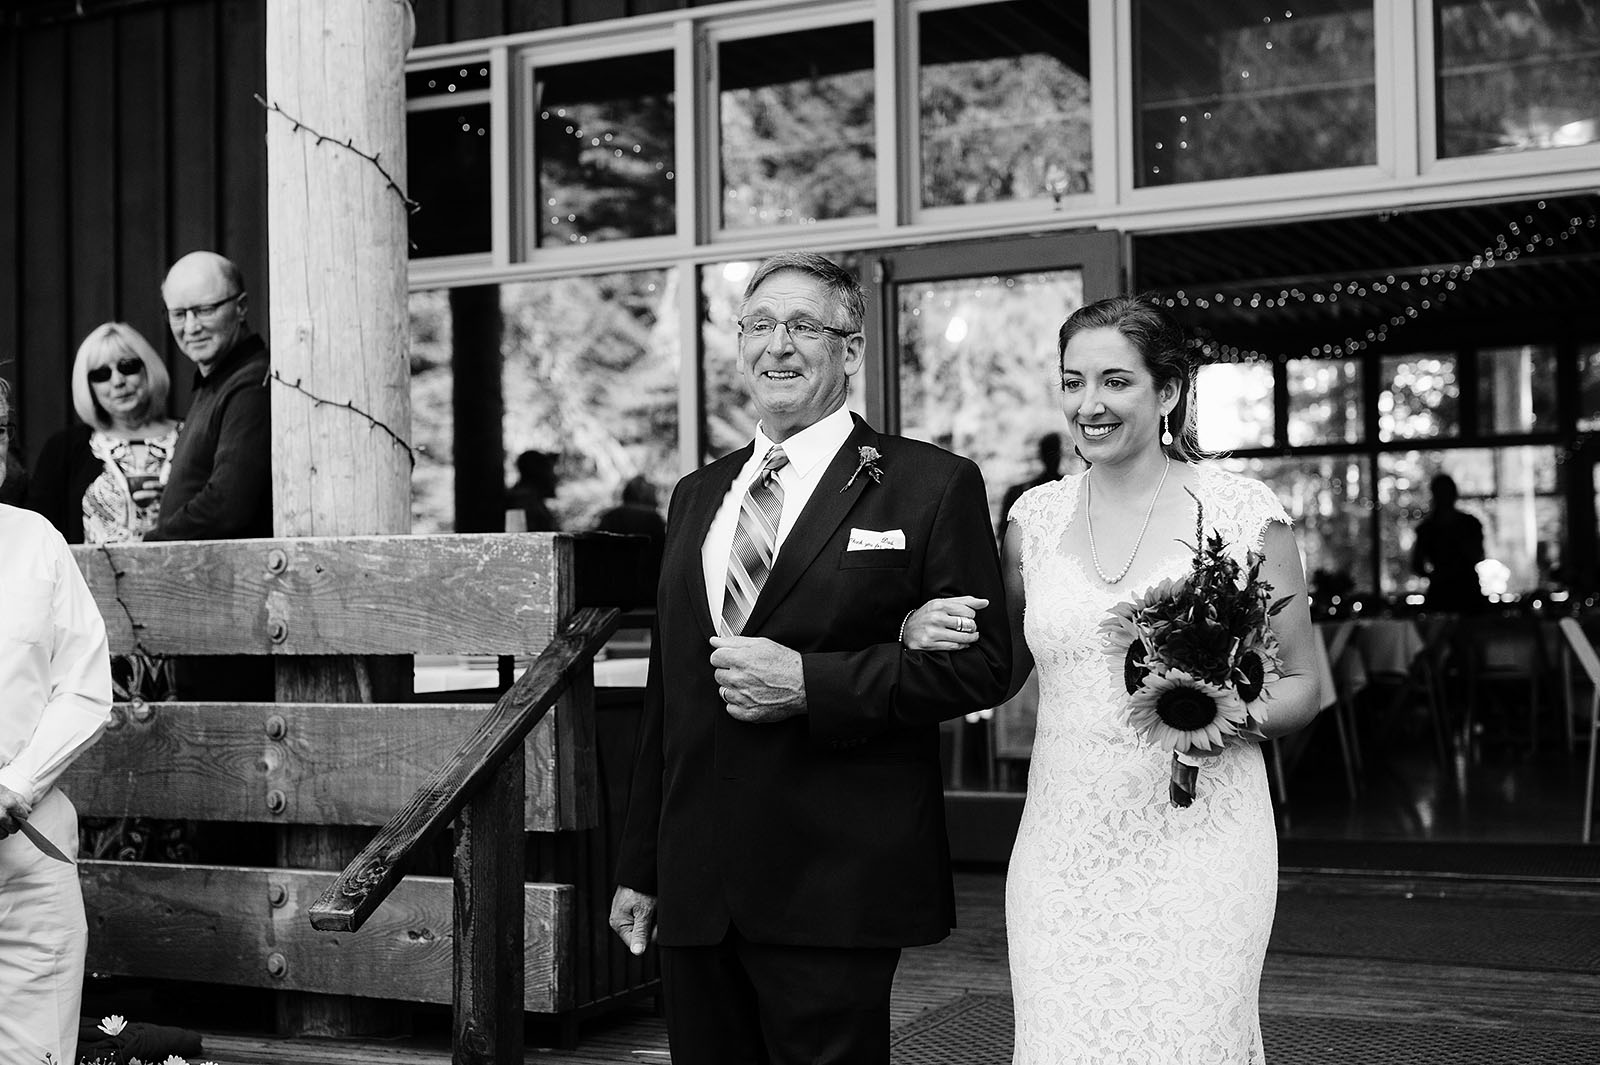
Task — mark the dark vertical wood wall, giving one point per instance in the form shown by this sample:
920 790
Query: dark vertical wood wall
128 136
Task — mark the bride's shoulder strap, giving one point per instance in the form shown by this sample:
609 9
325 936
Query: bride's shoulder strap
1247 504
1048 502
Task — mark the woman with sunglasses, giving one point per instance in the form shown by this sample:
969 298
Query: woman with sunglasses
100 482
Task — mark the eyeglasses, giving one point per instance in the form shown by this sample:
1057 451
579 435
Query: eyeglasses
127 367
760 327
205 312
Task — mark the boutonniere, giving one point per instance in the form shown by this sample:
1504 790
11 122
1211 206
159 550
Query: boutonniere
867 463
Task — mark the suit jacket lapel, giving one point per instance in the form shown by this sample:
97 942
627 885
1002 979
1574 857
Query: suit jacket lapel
701 511
824 511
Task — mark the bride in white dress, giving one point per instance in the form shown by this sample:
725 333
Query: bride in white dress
1137 929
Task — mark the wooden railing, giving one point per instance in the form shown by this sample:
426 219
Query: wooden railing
484 783
318 764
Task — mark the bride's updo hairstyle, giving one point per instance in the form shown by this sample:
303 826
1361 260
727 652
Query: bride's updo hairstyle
1159 339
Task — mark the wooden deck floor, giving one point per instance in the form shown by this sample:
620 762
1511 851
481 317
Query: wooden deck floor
1381 959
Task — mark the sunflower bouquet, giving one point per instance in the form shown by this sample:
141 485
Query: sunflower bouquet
1196 655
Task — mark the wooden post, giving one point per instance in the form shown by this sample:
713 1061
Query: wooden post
341 411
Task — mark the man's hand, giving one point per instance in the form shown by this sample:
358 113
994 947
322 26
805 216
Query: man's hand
633 918
13 808
760 681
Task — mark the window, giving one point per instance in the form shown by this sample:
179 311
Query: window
1003 100
604 146
797 129
448 159
1512 491
1233 405
1421 400
584 372
979 372
1589 388
1515 75
1516 390
1247 88
1325 402
1330 499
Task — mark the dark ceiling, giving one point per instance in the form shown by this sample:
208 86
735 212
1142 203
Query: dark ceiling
1256 287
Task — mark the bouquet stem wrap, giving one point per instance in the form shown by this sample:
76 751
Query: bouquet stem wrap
1180 786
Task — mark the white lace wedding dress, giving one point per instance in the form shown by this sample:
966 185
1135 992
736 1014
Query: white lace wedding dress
1137 929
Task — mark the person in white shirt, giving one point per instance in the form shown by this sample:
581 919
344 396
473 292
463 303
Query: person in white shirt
55 699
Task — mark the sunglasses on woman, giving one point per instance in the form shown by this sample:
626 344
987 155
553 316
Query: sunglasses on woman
127 367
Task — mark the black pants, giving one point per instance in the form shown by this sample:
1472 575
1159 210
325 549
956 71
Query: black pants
743 1003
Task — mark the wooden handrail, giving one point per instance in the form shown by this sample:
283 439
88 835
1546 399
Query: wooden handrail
364 884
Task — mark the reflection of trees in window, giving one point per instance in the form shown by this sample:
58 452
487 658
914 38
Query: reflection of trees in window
432 430
1329 497
1239 89
604 144
1422 399
1514 75
1325 402
1004 102
797 122
591 372
978 369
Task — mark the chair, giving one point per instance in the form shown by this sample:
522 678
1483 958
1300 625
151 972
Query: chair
1581 649
1505 652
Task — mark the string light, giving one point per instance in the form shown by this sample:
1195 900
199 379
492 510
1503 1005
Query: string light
1429 289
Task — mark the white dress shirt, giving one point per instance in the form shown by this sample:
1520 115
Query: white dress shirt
809 451
55 672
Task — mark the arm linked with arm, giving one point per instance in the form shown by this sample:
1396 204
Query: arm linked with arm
862 693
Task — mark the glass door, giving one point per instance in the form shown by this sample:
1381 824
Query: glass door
967 336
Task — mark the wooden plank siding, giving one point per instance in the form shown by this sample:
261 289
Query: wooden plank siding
247 927
128 136
449 594
304 763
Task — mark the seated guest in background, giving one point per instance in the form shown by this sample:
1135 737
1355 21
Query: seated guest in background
56 679
100 482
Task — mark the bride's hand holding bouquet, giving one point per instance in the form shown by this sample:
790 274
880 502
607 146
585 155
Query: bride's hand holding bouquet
1196 655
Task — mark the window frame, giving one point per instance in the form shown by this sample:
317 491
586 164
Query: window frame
1570 159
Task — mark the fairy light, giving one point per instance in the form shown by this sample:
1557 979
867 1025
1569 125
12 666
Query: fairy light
1428 290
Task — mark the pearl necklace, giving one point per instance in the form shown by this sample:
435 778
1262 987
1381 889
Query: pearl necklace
1088 517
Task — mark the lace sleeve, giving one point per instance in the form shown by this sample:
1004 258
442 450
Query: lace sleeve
1042 511
1242 508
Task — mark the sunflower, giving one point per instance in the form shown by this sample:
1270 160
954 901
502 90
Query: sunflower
1123 643
1180 713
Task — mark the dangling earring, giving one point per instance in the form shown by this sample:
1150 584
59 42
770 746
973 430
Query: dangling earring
1166 433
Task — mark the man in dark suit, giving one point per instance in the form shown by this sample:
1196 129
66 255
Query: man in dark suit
785 834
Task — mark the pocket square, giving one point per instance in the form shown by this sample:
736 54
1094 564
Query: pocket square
870 540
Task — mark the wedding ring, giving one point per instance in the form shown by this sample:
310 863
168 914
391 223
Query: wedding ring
723 692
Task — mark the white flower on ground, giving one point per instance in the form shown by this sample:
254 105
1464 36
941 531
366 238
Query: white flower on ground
114 1024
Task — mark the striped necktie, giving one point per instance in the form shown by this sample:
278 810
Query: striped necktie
755 541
